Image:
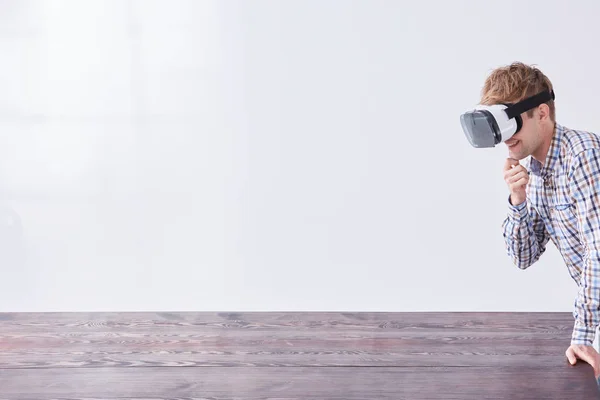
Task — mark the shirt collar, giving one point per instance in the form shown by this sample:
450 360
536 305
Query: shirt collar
552 157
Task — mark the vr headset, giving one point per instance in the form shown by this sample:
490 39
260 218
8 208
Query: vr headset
487 126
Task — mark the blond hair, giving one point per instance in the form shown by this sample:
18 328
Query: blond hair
515 82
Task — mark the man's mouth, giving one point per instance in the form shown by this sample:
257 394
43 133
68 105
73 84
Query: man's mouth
512 144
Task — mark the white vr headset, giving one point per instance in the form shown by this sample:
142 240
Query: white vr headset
487 126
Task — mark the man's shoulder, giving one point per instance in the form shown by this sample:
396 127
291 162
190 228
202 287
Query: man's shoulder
576 141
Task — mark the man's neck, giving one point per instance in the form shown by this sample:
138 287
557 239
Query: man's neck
542 152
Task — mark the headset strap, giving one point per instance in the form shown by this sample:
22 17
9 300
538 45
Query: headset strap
529 103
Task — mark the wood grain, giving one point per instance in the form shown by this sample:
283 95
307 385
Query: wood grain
408 322
414 383
281 339
126 350
289 355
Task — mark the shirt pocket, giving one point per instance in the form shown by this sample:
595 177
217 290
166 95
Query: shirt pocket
563 206
563 211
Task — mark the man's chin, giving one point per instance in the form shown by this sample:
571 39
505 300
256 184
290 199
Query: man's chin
516 156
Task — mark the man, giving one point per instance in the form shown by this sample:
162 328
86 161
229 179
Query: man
556 196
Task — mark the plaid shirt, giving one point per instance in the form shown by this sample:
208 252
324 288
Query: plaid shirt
563 205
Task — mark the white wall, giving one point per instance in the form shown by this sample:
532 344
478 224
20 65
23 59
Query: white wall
270 155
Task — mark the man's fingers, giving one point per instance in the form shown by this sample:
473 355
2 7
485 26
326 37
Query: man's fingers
509 163
518 176
584 355
571 355
516 170
519 183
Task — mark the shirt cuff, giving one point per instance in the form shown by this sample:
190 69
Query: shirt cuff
583 334
517 212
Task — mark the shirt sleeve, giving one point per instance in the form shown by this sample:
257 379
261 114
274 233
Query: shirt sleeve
584 183
525 235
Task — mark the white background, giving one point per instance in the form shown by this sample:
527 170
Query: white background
270 155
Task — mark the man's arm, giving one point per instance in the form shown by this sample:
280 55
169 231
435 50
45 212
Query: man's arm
525 235
584 183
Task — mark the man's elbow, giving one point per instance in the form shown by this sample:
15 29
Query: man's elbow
523 264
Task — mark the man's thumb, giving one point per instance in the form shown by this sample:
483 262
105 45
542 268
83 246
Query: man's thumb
571 356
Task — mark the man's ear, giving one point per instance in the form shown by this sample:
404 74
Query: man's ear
543 112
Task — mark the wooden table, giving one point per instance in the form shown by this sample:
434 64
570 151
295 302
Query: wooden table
340 356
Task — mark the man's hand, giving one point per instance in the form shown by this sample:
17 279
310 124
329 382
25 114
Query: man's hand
585 353
516 177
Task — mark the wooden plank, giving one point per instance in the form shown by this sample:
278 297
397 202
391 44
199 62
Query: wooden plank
345 383
94 340
126 350
407 322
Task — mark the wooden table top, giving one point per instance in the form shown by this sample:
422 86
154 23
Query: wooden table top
301 355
